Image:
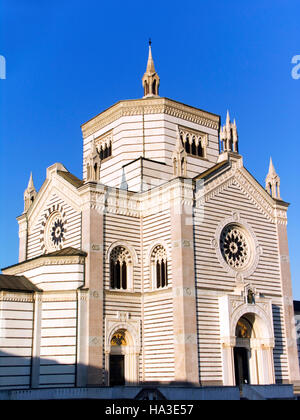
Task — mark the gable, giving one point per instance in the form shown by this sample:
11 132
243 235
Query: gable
57 202
236 198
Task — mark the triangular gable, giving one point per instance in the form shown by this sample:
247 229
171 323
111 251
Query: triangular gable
59 182
224 174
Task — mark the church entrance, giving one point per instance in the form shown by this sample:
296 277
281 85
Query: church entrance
241 366
116 370
242 351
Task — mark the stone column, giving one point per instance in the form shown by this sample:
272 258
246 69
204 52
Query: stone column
228 345
184 285
288 310
82 337
36 340
92 243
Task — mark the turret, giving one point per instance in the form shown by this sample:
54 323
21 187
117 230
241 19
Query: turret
29 194
150 79
229 136
273 182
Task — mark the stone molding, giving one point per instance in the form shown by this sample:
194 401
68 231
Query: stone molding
16 297
122 322
239 176
148 107
41 261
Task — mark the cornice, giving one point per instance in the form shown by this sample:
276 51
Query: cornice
238 175
6 296
43 260
147 107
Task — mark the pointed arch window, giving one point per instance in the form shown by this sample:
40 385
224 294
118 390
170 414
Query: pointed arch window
120 260
159 267
120 269
194 143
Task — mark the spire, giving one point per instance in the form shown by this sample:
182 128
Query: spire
272 171
150 79
150 64
29 193
229 136
30 186
227 118
273 181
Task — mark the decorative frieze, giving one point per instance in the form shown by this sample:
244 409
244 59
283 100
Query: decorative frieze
150 106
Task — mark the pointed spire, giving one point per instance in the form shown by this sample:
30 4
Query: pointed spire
150 64
228 118
150 79
272 171
29 193
30 186
229 136
273 181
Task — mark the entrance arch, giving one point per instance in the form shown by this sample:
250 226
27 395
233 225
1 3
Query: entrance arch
253 350
121 353
242 351
247 337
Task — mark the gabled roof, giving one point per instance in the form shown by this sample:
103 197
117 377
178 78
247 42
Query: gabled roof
72 179
214 169
17 284
226 165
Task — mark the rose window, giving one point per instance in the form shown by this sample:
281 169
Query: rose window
235 247
57 231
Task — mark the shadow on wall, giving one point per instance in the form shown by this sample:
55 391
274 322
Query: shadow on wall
278 351
24 372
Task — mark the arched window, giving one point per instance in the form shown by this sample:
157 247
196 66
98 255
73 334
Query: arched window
200 149
159 265
119 264
194 149
187 144
154 87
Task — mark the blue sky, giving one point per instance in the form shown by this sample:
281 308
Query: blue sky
66 61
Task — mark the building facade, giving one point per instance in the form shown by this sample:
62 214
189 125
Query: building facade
297 320
166 263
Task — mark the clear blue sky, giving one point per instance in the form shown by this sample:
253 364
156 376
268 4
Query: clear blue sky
69 60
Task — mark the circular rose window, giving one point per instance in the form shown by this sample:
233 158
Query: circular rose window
55 231
235 247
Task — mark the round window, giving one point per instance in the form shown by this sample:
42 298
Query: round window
55 231
235 247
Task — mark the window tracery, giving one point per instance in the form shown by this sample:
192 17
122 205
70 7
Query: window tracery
119 261
159 264
194 143
235 247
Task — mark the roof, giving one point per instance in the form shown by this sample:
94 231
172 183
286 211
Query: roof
65 252
135 107
211 170
72 179
17 284
297 305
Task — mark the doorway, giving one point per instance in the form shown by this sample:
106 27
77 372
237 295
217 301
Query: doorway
241 366
116 370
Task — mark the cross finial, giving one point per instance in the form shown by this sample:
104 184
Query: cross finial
150 42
